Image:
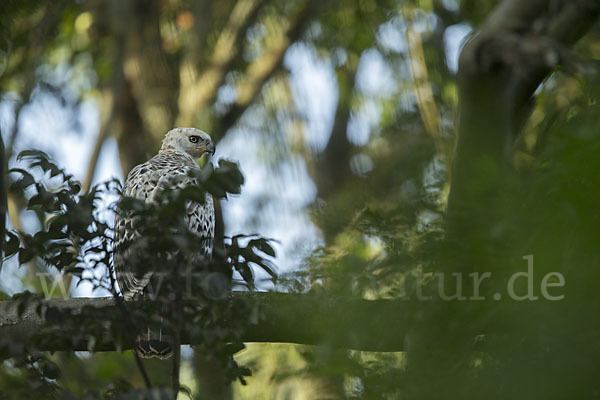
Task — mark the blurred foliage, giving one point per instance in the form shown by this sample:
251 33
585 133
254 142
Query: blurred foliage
381 195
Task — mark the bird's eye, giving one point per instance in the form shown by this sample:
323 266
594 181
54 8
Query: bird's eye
194 139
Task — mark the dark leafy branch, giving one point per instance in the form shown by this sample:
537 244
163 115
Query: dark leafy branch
77 239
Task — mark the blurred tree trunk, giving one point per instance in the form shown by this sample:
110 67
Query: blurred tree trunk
123 116
332 168
210 376
3 203
152 73
499 70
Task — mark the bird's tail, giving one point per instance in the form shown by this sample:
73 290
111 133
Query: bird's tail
154 344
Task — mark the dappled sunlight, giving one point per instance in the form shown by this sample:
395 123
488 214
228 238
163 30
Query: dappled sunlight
405 199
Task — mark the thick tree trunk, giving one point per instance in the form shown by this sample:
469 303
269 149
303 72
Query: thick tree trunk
500 67
3 199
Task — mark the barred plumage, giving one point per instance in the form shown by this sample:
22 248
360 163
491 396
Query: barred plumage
176 157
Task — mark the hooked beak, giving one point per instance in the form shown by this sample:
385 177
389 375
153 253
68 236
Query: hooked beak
210 148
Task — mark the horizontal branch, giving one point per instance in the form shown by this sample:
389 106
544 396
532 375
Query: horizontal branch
370 325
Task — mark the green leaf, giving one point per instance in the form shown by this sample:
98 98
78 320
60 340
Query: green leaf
263 245
25 255
25 181
38 154
51 370
11 246
77 271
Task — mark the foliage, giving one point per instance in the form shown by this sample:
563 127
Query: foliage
380 179
77 240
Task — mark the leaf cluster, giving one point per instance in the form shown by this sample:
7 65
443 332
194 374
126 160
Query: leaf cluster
190 293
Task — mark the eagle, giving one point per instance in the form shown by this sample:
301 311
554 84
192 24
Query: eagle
170 168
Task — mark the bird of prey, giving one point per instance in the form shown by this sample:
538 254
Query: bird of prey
177 156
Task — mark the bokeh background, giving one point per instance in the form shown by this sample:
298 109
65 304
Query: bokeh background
342 116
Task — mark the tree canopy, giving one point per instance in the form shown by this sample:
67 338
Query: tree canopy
430 168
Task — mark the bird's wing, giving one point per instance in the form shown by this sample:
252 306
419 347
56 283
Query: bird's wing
199 218
146 181
128 243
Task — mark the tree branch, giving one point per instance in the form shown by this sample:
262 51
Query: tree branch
261 69
197 92
422 87
371 325
499 70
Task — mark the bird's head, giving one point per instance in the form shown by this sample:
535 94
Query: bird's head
191 141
